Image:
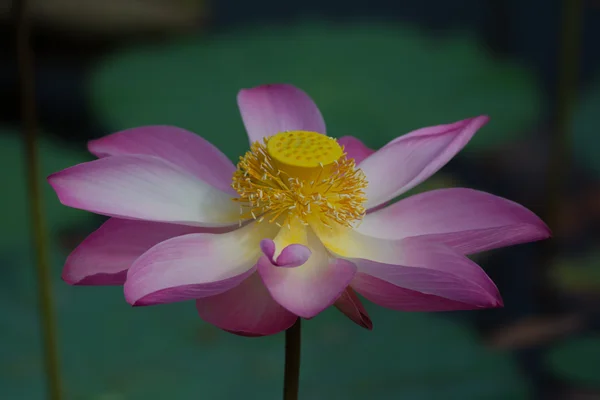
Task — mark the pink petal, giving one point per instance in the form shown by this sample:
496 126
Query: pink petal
349 304
293 255
310 288
270 109
183 148
248 310
104 257
143 187
467 220
410 159
414 270
355 148
194 266
394 297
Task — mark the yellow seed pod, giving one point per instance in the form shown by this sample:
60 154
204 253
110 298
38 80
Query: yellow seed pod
304 149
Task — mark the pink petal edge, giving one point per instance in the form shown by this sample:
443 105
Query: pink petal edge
104 257
270 109
355 148
144 188
424 269
467 220
193 266
412 158
388 295
183 148
350 305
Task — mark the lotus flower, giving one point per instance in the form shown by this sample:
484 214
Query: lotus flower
304 221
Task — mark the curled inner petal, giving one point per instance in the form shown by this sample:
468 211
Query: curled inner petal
289 247
313 286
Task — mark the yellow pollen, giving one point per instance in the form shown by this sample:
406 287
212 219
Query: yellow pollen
299 174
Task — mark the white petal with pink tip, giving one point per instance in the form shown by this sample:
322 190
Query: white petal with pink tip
195 265
410 159
181 147
467 220
414 264
104 257
270 109
146 188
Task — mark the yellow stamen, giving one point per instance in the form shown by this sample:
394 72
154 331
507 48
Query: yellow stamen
300 174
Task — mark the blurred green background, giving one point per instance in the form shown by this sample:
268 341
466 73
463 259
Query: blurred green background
376 70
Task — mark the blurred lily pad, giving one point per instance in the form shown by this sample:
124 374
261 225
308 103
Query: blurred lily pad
16 222
586 128
577 361
372 81
578 275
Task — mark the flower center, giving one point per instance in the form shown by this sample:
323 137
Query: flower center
299 174
306 150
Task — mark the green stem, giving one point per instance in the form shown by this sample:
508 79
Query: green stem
29 126
292 362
